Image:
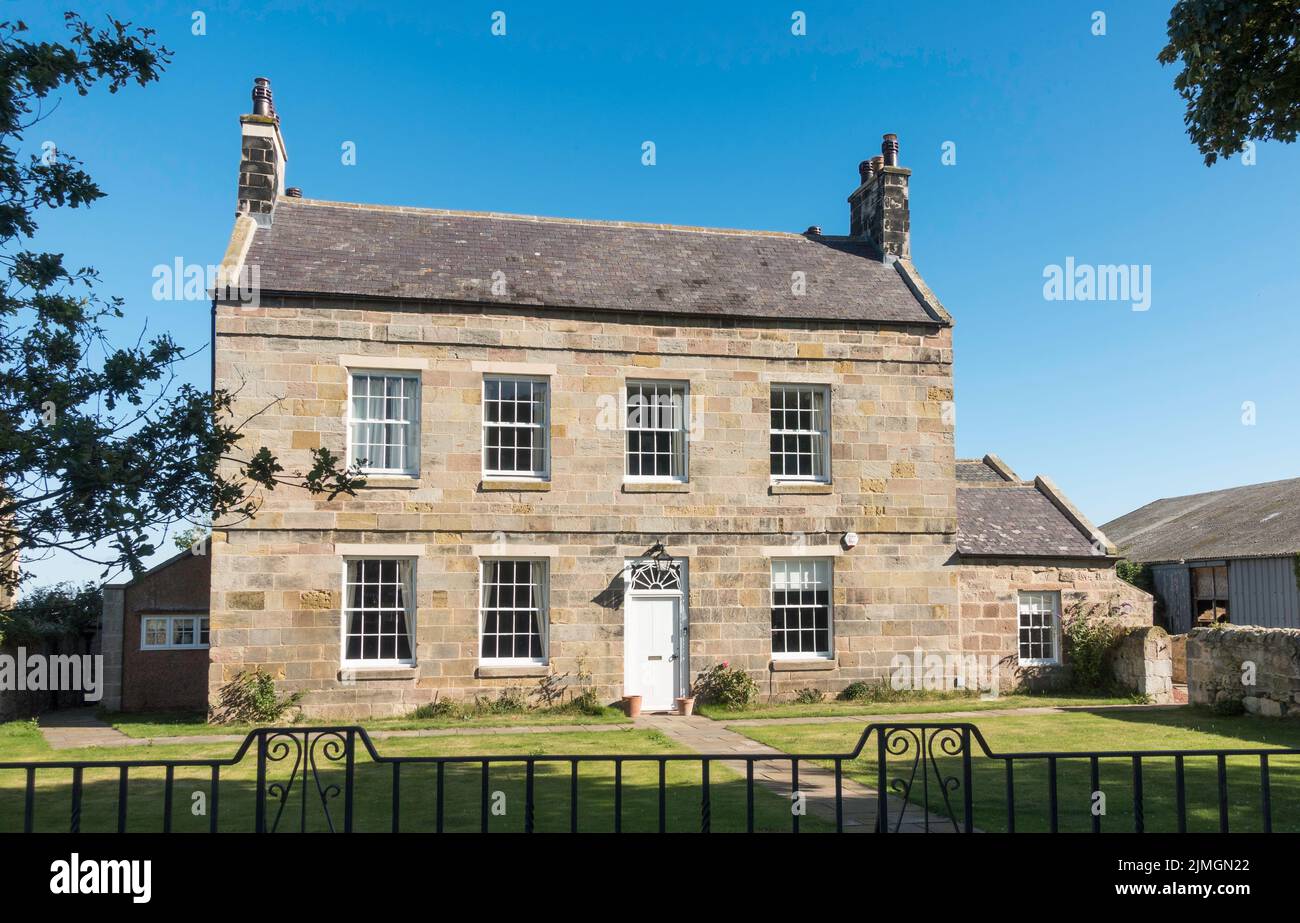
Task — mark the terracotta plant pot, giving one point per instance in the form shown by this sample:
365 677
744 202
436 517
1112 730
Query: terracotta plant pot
686 705
632 705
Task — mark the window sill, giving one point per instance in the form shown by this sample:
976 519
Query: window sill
391 481
497 484
799 487
800 666
521 671
366 674
656 487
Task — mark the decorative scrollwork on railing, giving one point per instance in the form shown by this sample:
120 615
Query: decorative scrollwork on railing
276 749
901 742
333 747
310 750
920 750
950 743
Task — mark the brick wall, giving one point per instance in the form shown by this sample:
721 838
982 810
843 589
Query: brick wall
277 581
161 680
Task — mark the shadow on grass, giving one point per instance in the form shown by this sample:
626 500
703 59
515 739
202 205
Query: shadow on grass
373 801
1016 793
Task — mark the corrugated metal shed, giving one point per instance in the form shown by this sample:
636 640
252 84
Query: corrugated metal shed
1264 591
1261 591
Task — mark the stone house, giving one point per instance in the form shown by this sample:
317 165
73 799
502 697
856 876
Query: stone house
1026 557
619 451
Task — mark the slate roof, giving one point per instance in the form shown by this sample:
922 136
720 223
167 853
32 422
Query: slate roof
1258 520
316 247
1013 519
975 471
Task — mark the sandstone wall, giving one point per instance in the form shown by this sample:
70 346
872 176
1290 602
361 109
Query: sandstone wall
275 599
1142 661
989 618
1222 662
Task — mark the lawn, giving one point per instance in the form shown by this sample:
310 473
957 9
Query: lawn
931 704
20 741
1118 729
190 724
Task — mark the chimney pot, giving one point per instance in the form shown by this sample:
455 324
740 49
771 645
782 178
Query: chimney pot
889 148
262 157
294 192
878 209
263 104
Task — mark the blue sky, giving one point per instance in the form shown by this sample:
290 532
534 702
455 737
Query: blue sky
1068 144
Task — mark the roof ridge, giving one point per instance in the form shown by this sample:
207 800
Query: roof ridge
1221 490
549 219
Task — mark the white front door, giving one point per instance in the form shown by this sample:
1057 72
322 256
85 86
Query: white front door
653 623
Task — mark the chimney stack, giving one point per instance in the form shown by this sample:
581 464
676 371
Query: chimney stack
262 157
878 207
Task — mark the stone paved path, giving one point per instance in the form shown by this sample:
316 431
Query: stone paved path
818 785
68 729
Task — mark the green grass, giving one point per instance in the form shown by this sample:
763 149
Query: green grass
936 702
190 724
22 740
373 787
1119 729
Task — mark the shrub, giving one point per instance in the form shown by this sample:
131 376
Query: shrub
731 688
1139 575
588 703
438 708
809 696
65 610
1089 634
509 700
871 692
250 698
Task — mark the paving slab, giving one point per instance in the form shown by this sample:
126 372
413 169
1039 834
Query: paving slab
73 728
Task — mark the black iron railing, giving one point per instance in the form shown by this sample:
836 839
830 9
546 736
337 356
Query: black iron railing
926 776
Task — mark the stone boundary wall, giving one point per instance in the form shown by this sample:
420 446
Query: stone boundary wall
1220 662
1142 660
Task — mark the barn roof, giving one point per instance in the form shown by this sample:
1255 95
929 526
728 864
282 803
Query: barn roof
1258 520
